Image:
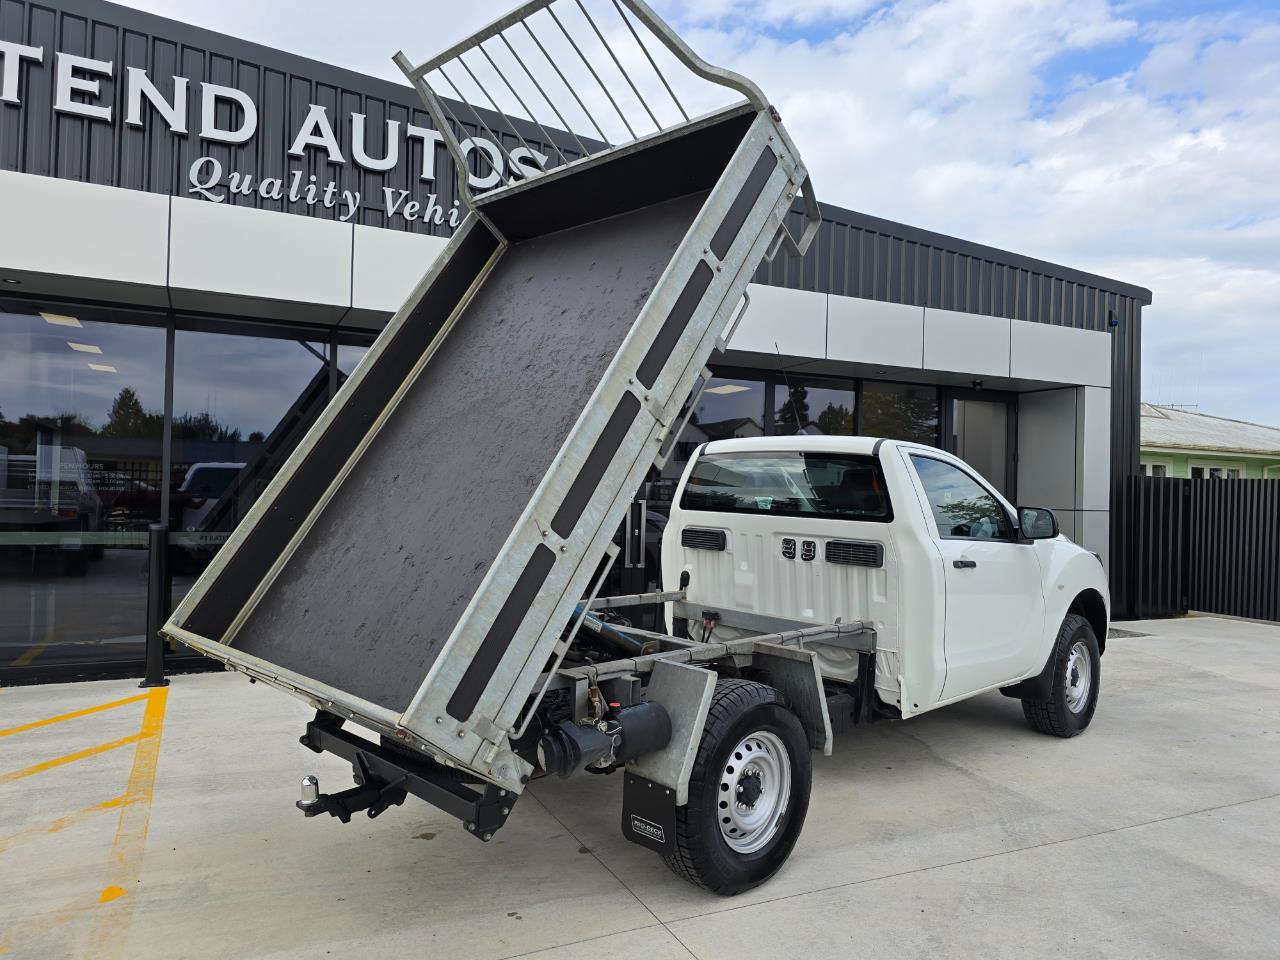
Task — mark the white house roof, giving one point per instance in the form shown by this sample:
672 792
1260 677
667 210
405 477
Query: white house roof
1174 429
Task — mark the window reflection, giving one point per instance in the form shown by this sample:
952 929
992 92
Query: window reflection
240 406
962 508
900 411
729 407
81 418
814 407
348 358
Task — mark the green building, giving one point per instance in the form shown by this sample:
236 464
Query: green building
1184 443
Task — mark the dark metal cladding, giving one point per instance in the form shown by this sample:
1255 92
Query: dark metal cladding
858 255
36 139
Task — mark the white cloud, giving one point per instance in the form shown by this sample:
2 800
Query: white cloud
988 119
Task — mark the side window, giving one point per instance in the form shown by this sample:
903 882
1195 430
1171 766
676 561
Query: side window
961 506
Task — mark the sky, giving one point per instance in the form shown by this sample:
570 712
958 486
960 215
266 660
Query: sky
1138 139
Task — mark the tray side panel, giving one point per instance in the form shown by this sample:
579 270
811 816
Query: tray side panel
378 584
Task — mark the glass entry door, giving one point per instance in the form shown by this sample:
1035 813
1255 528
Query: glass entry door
980 427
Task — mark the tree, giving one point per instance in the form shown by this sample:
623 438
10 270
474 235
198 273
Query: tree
794 415
202 426
128 418
900 416
63 426
836 420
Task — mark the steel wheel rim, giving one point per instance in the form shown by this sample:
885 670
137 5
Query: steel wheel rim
1079 678
755 787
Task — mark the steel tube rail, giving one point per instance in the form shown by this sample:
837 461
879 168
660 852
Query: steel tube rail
653 63
593 54
592 70
524 106
551 103
626 76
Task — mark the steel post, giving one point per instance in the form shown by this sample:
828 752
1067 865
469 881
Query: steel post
159 602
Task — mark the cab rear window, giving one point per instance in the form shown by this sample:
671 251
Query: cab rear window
791 484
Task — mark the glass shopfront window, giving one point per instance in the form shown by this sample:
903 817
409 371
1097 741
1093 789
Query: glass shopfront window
729 407
240 406
81 426
900 411
813 406
348 358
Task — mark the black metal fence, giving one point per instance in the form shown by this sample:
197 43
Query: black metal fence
1208 545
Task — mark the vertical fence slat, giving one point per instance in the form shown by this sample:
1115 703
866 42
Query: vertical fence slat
1208 545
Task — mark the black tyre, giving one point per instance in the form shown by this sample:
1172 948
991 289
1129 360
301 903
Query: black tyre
748 792
1077 679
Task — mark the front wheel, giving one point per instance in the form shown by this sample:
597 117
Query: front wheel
748 792
1077 676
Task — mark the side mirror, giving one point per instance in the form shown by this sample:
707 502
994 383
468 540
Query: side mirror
1037 523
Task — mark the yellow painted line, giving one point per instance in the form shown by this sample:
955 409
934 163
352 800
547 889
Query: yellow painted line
109 938
25 934
69 758
36 648
110 905
57 826
31 653
71 716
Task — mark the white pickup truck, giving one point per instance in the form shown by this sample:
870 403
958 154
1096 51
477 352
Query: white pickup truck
964 594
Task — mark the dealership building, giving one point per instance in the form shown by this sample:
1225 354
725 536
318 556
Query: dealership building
200 237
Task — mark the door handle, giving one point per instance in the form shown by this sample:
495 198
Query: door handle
964 564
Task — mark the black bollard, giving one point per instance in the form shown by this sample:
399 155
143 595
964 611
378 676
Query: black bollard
159 599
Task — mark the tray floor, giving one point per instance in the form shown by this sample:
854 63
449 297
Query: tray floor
380 581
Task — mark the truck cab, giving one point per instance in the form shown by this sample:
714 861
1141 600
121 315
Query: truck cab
966 592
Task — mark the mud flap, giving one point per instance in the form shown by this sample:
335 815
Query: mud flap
649 814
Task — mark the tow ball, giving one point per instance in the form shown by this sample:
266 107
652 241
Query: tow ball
370 794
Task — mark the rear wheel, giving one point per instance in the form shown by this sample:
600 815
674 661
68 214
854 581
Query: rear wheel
748 792
1073 693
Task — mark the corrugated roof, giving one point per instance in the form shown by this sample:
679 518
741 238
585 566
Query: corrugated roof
1187 430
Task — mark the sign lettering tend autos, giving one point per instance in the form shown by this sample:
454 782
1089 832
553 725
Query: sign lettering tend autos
77 84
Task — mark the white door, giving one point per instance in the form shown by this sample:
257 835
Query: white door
994 602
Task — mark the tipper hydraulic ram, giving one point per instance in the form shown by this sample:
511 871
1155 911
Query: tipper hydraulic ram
419 565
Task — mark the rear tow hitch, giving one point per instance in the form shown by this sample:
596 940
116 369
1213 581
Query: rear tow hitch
369 794
385 777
